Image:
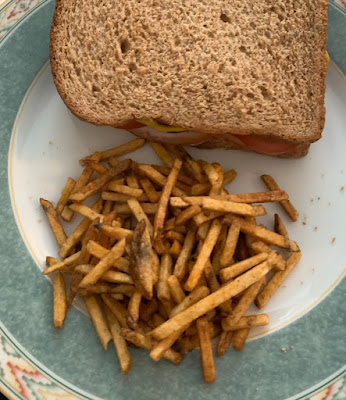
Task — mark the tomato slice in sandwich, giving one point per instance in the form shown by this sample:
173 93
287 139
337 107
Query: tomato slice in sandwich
263 145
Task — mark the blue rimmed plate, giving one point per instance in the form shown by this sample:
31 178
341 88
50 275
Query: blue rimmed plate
303 349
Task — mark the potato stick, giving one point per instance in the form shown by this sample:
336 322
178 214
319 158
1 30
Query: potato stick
77 234
148 208
97 184
109 219
259 232
180 267
120 345
132 181
217 187
138 212
230 244
207 359
160 215
163 154
191 165
50 261
215 177
223 343
75 280
99 251
200 308
109 276
113 161
117 296
204 255
164 308
161 347
195 296
149 190
187 214
249 321
226 206
175 249
160 247
65 193
54 221
200 189
244 303
104 264
242 252
100 287
157 178
247 198
274 258
174 235
96 166
238 268
123 149
143 260
62 265
125 190
86 211
170 224
189 343
116 308
148 309
206 216
96 156
276 281
84 178
280 228
203 230
59 300
214 285
163 292
125 289
229 176
133 310
219 248
181 177
112 196
107 208
157 319
239 338
211 278
175 289
146 342
115 232
194 168
98 320
288 207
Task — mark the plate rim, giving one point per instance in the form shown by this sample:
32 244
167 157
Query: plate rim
43 369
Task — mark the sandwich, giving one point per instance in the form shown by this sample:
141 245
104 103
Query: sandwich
211 73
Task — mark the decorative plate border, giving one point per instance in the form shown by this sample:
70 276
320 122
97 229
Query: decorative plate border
19 378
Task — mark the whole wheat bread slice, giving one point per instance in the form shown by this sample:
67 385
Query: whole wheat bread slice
217 66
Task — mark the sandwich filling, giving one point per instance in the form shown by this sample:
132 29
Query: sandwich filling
157 132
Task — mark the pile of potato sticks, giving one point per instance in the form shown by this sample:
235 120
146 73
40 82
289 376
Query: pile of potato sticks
166 259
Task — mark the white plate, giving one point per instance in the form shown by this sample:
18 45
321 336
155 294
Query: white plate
48 141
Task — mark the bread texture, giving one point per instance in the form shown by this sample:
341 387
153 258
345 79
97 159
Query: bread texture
217 66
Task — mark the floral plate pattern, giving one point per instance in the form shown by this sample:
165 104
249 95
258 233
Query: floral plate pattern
20 378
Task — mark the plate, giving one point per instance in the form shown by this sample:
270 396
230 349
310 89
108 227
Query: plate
41 144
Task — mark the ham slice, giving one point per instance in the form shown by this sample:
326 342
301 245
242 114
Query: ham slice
258 144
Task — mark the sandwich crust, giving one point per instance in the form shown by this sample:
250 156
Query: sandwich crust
221 67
